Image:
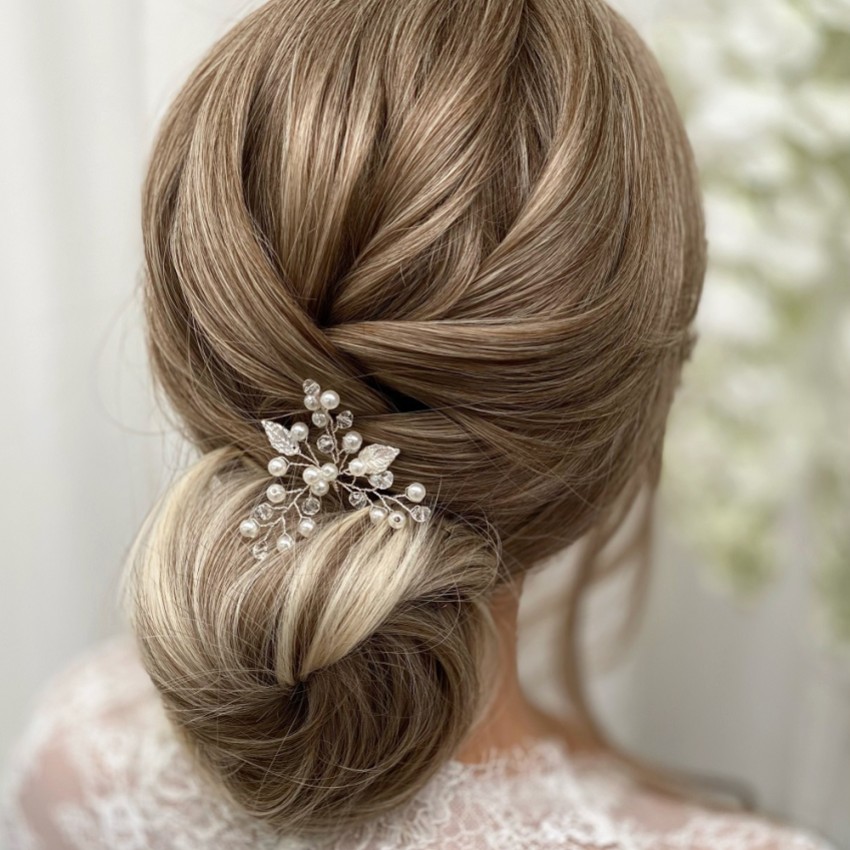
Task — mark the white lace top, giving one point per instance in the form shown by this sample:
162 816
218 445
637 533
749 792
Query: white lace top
99 767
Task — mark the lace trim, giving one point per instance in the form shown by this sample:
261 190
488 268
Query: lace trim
134 788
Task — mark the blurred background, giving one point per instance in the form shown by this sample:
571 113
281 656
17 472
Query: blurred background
741 665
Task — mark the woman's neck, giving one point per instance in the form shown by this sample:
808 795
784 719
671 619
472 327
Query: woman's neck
512 718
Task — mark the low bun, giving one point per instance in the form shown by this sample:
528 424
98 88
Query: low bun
322 685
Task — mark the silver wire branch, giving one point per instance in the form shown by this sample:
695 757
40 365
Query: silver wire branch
296 494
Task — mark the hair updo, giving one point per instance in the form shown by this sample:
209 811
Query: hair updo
479 222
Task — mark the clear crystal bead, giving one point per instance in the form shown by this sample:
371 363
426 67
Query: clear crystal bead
345 419
381 480
260 550
310 506
310 387
421 513
326 444
320 419
263 512
359 499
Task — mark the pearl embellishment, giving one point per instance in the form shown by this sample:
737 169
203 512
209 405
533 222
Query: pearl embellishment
415 492
311 474
352 441
308 465
306 527
299 431
377 515
329 399
276 493
320 487
249 528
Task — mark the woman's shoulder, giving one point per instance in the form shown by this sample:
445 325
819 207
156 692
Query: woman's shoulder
74 720
105 681
548 796
101 701
641 808
100 767
646 817
98 697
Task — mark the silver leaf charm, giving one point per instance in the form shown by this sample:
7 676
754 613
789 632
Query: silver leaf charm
280 438
377 458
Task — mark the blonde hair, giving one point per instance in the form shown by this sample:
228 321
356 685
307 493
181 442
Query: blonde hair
479 221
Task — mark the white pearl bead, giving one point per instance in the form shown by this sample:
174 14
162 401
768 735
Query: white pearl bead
396 519
329 399
284 543
320 419
320 487
306 527
299 431
356 467
249 528
329 471
352 441
311 402
377 514
311 474
278 466
415 492
276 493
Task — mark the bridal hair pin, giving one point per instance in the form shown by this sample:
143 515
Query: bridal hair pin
302 478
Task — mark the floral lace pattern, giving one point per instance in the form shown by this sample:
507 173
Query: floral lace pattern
100 767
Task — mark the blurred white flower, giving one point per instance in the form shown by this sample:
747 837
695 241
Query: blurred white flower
835 13
770 35
764 412
737 113
733 312
732 226
826 109
766 165
844 341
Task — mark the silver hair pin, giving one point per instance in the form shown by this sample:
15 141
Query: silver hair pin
295 498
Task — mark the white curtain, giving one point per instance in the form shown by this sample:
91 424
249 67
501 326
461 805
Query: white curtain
711 685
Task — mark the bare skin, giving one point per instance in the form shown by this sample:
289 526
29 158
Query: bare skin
512 719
